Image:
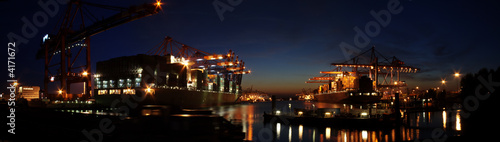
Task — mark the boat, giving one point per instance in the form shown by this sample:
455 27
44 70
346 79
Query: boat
166 80
357 80
253 96
348 89
335 117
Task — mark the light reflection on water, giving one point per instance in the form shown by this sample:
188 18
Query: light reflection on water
251 116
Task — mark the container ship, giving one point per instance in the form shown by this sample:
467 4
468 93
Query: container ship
348 89
191 80
366 78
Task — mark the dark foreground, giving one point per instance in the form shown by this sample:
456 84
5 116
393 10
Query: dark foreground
52 125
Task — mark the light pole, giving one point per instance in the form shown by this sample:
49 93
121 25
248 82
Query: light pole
443 84
457 75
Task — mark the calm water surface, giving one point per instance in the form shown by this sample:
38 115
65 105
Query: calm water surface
420 125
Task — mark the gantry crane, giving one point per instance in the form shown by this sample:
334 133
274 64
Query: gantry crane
73 34
371 66
389 67
227 65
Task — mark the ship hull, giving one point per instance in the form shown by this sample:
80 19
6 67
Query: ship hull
175 97
332 97
343 97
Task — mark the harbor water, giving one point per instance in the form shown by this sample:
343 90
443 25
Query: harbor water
419 125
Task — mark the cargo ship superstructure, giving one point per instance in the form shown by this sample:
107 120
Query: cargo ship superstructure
172 74
362 79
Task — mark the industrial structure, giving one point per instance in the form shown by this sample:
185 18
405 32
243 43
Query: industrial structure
174 74
67 52
367 77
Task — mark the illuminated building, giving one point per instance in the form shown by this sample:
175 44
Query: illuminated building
29 92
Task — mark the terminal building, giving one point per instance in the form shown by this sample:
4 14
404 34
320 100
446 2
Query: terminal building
29 92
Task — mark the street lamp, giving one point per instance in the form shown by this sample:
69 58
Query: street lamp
457 75
443 81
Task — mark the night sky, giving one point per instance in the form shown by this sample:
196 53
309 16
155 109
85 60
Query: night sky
285 42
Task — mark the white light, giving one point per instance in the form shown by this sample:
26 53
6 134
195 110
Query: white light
278 129
328 133
364 134
45 37
364 114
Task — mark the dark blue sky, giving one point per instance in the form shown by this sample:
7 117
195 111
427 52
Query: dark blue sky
286 42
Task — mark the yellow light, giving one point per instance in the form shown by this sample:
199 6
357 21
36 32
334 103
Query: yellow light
458 124
328 114
15 84
301 131
85 73
60 91
185 62
328 132
148 90
158 3
457 74
443 81
300 113
444 119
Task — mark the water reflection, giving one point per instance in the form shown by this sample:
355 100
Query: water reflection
458 123
444 119
420 124
328 132
301 131
278 130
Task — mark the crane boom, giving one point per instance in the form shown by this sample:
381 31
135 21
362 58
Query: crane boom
126 15
131 14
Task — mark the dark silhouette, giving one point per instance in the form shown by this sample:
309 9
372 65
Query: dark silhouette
480 96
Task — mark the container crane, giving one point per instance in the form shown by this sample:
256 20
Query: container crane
70 35
365 64
227 66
